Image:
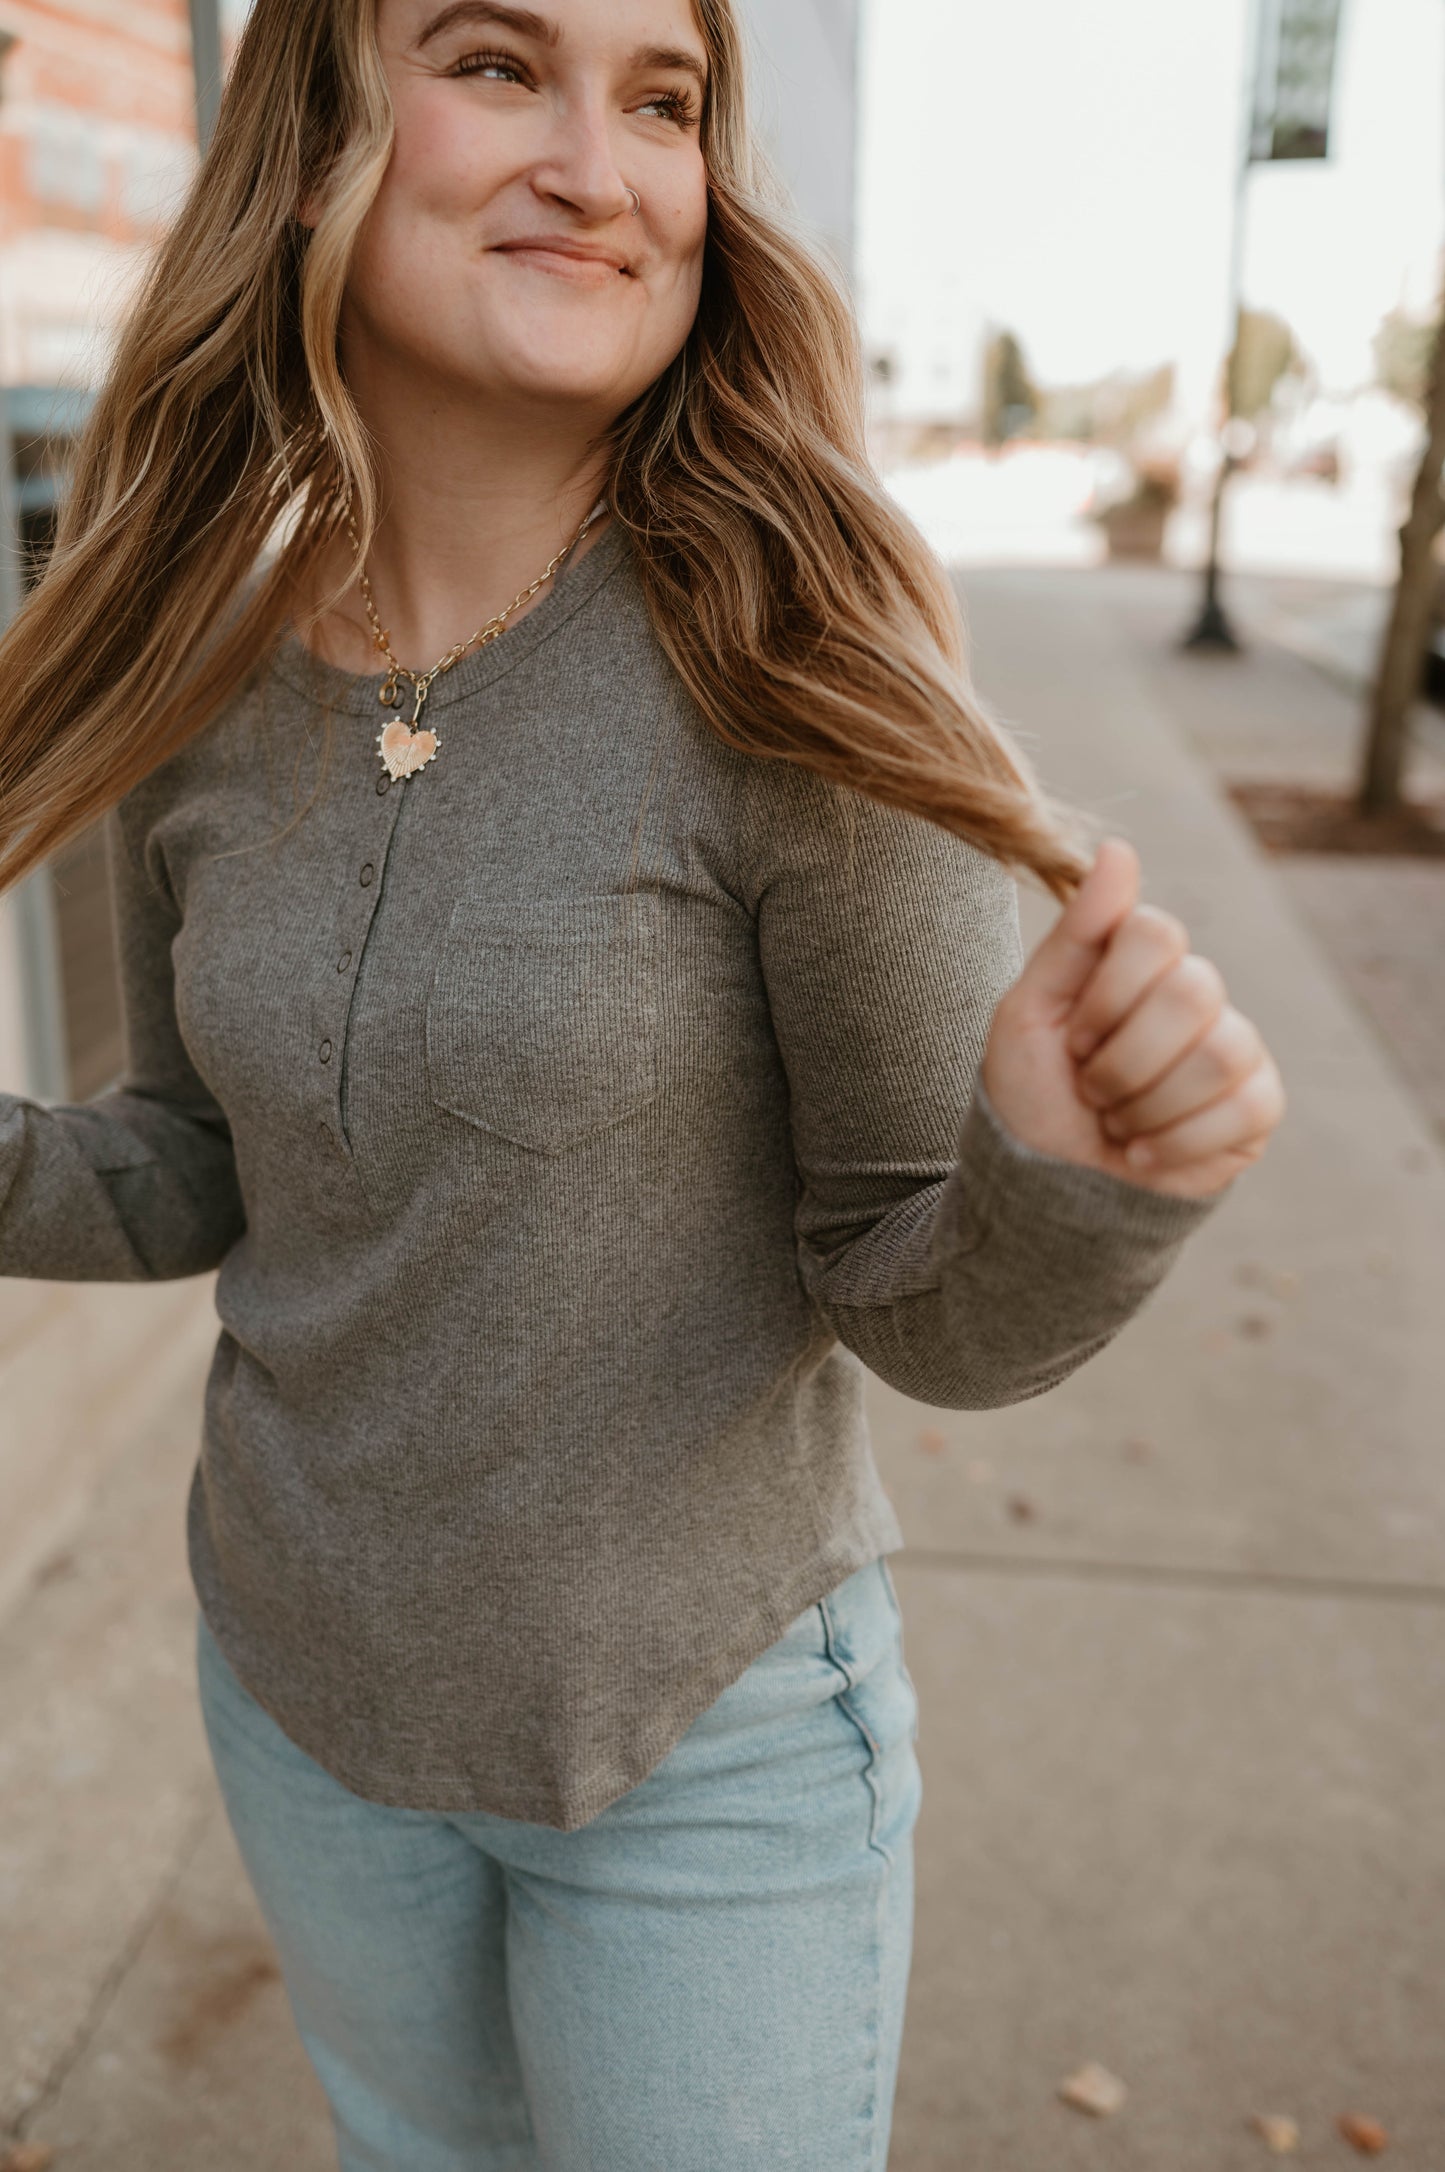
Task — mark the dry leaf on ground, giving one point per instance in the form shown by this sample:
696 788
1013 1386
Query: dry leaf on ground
1253 1273
28 2157
1365 2135
1281 2134
1094 2089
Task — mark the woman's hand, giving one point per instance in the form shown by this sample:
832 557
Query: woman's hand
1117 1046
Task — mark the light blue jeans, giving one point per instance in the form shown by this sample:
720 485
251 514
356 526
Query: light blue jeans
709 1976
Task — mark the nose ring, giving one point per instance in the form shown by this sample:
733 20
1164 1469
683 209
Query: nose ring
636 202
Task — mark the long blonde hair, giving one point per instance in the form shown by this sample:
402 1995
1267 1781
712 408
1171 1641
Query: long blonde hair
805 615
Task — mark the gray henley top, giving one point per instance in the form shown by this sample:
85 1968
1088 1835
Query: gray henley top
571 1125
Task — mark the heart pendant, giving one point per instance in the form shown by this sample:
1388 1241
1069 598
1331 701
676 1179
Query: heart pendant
403 750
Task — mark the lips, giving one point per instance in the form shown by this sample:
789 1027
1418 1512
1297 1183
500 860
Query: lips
560 249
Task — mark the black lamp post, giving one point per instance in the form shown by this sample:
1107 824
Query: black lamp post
1291 46
1212 630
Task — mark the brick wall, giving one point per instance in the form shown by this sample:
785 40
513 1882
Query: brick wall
97 142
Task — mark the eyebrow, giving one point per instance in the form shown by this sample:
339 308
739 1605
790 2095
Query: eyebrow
520 21
524 24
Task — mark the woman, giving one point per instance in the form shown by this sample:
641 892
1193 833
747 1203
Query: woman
574 995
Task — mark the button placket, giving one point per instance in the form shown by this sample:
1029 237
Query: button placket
332 1017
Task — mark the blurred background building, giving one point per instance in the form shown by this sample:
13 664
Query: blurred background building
1048 268
806 94
97 140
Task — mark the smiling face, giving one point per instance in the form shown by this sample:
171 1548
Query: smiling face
502 256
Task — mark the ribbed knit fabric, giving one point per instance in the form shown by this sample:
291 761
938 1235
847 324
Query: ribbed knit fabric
570 1124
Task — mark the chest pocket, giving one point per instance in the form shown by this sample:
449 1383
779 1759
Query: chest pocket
542 1017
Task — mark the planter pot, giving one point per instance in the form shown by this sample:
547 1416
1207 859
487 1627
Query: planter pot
1135 531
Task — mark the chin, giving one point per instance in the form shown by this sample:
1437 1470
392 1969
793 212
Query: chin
569 366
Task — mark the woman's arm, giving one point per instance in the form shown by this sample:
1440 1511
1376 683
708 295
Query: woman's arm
963 1267
138 1184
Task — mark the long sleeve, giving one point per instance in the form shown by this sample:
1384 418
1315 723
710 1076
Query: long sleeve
964 1268
139 1183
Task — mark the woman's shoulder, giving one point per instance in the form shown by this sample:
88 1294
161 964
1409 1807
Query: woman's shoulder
785 817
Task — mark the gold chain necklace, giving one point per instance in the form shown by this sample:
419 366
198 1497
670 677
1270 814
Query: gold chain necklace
405 747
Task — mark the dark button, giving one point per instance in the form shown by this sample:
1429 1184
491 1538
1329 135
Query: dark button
326 1052
366 874
343 961
383 782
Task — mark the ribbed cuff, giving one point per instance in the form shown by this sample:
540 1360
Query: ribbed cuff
1003 1176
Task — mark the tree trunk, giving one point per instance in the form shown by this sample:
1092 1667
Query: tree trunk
1402 656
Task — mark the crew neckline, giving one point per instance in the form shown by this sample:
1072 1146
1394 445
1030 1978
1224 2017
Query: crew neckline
358 692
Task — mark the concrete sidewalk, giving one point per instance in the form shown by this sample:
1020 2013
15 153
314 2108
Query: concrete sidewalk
1176 1629
1181 1721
